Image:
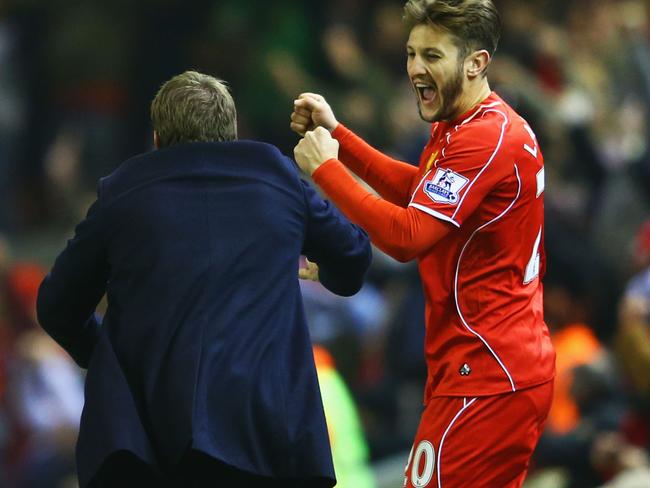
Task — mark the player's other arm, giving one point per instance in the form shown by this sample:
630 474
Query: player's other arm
402 233
69 294
389 177
340 249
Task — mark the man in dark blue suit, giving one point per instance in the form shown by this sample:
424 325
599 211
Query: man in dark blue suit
201 372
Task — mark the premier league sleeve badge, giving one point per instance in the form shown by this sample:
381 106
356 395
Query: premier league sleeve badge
445 186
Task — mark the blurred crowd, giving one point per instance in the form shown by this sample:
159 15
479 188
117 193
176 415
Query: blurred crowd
76 80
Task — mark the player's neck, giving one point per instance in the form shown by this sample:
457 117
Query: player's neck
472 96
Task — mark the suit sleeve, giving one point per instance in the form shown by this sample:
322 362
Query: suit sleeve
341 250
69 294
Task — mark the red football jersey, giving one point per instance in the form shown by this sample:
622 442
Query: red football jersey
485 331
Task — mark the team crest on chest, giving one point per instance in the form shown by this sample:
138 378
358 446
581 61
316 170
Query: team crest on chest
432 160
445 186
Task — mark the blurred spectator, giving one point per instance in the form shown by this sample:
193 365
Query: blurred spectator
587 406
633 343
575 345
349 448
12 111
577 70
45 391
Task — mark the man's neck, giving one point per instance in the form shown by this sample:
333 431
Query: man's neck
473 96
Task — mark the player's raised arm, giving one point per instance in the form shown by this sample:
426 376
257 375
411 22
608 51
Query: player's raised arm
389 177
403 233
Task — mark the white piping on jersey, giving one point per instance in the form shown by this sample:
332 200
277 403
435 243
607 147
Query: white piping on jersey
460 257
493 104
418 187
430 211
481 107
478 110
490 105
466 404
496 150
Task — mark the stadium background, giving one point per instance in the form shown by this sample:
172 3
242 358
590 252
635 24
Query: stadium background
76 78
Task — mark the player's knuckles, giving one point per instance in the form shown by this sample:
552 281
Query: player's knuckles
302 111
322 135
307 103
306 145
296 117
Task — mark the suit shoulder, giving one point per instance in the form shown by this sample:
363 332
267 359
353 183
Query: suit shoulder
269 152
123 168
203 161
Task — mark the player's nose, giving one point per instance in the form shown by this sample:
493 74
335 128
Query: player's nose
415 67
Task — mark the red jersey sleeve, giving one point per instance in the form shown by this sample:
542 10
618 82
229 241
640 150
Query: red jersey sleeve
391 178
402 233
466 170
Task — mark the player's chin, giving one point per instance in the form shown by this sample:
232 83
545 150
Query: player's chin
426 113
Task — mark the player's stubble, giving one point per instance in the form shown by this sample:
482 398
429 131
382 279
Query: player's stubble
448 94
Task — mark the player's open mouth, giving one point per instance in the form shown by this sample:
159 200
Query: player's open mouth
426 92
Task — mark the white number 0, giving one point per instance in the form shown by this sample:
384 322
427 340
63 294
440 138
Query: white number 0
420 480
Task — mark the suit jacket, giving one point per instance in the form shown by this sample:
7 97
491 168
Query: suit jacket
204 342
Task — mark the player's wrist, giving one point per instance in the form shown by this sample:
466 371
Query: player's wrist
318 170
331 127
314 165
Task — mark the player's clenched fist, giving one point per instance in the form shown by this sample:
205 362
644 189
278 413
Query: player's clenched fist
311 110
314 149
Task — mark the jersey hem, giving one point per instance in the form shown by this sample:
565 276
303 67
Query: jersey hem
470 393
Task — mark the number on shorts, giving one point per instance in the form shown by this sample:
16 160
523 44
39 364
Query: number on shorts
421 479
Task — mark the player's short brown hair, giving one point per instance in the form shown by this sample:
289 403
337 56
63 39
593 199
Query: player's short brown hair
193 107
476 24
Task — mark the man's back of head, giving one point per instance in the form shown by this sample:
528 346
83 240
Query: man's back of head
193 107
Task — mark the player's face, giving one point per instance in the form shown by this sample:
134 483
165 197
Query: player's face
436 72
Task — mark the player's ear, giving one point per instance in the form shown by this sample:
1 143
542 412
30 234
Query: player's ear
156 140
476 63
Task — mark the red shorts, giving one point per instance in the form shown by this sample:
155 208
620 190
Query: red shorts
482 442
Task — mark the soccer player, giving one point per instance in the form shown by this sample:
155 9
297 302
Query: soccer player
202 372
472 215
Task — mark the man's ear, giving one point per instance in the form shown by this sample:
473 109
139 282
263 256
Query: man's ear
476 63
156 140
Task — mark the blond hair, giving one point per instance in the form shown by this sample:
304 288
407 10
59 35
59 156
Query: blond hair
193 107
